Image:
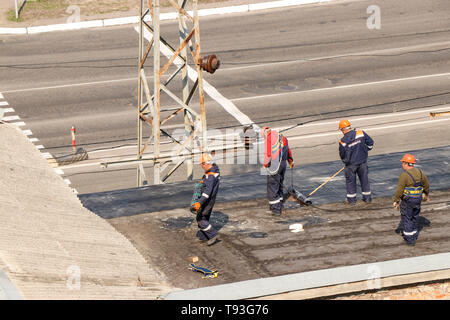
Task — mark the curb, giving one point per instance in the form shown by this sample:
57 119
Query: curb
163 16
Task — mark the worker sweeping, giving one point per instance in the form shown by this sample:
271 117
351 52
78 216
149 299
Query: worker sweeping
353 150
413 186
204 205
276 153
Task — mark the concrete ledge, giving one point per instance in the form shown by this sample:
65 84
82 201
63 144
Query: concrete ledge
361 286
368 275
163 16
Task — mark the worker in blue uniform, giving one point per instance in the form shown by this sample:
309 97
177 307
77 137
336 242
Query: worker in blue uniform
353 150
276 153
204 205
413 186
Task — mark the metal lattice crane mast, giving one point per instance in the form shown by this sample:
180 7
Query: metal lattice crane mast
150 112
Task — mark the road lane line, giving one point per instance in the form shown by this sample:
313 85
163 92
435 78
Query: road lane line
384 52
355 85
71 85
386 115
338 133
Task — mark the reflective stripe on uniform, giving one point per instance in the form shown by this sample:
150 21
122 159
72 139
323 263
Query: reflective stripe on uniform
205 195
207 228
359 134
215 174
409 233
351 195
342 143
275 201
366 193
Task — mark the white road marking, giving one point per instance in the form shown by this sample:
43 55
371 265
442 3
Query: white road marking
338 133
11 118
3 103
27 132
1 96
71 85
209 89
18 124
348 86
387 52
8 110
386 115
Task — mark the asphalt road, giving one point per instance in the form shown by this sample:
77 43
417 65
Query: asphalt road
279 67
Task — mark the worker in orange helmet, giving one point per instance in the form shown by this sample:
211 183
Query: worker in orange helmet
204 205
353 150
276 153
413 186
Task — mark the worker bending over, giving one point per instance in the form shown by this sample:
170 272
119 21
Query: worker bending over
276 153
353 150
204 205
412 187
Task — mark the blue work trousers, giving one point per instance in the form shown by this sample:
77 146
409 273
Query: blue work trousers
409 223
362 171
275 189
206 230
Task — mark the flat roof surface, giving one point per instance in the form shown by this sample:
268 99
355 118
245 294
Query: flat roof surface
255 244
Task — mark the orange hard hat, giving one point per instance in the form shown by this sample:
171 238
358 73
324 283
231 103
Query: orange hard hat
263 130
344 124
409 158
205 158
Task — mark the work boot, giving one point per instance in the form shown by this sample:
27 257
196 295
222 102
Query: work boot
213 241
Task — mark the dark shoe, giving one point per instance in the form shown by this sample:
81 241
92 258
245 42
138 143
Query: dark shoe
213 241
412 244
368 201
398 231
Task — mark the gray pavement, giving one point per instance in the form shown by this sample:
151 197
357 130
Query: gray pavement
383 173
88 79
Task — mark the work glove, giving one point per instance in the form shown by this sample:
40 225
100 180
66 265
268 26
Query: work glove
396 205
425 197
195 207
292 164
